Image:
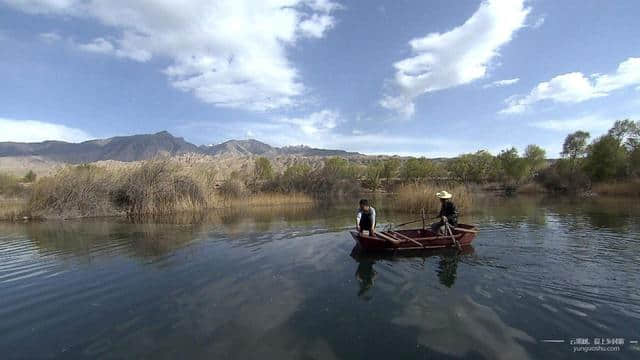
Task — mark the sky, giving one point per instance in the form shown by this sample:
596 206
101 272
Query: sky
423 78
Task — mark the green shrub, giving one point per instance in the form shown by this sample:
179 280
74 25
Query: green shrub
10 185
29 177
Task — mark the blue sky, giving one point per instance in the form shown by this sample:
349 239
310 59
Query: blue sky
433 78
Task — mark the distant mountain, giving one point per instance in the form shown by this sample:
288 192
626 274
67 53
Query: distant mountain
240 147
303 150
255 147
122 148
148 146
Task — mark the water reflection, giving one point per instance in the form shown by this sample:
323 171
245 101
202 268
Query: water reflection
85 238
446 271
279 283
616 213
162 235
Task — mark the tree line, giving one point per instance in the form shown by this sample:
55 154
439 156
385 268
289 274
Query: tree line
614 156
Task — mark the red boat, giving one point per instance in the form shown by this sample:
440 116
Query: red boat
415 239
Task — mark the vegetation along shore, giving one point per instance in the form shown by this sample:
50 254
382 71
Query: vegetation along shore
607 165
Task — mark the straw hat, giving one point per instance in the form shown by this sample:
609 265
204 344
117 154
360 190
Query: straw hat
443 194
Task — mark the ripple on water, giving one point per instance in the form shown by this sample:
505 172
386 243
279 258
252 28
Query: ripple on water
230 290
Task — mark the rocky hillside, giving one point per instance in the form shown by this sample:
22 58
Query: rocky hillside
148 146
121 148
240 148
255 147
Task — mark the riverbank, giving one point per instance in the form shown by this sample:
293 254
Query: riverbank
152 188
161 187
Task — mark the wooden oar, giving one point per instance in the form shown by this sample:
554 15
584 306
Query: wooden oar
466 230
447 228
388 238
407 223
402 236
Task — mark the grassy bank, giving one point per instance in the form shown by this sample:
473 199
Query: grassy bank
623 188
413 198
14 191
166 187
271 199
151 188
12 209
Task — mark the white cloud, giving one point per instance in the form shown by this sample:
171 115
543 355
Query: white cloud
592 123
501 83
42 6
403 104
317 122
326 6
539 22
50 37
456 57
232 53
36 131
316 25
98 45
575 87
321 130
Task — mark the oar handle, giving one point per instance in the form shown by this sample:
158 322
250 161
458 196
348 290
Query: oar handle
447 228
410 222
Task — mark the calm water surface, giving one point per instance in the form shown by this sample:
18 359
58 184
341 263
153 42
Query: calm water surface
280 284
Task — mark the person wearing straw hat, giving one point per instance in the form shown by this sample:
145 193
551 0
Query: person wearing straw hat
448 213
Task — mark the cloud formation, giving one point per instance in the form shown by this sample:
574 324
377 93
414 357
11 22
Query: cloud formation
591 123
456 57
50 37
98 45
501 83
231 53
326 129
539 22
575 87
36 131
316 122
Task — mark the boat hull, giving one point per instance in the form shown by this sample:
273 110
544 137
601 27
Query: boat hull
420 239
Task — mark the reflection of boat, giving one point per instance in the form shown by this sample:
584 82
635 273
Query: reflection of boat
415 239
359 255
447 263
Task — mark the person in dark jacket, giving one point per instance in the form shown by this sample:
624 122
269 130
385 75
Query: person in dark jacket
448 213
366 218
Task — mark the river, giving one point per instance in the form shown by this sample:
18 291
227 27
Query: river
543 276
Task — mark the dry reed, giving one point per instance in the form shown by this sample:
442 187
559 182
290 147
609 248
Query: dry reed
12 209
530 188
412 198
626 188
273 199
149 188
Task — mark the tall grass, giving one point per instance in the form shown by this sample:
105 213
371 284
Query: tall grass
626 188
150 188
13 193
158 187
12 209
412 198
530 188
75 191
274 199
10 185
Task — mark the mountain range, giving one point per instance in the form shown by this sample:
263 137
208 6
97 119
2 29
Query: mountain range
148 146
